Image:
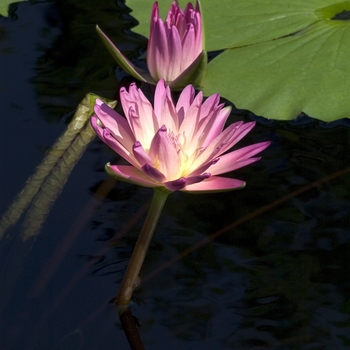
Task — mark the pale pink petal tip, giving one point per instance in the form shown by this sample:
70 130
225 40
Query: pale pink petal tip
215 184
130 174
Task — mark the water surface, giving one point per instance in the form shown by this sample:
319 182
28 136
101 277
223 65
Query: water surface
276 281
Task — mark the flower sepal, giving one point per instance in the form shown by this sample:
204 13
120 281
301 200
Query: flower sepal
192 75
123 62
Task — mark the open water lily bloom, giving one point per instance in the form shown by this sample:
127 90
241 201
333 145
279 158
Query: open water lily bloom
181 146
175 50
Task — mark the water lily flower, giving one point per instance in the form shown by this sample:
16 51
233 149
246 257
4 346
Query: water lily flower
180 146
175 50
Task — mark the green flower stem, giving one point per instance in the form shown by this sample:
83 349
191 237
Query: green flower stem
130 279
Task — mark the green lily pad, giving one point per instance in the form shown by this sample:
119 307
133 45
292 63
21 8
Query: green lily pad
282 78
4 4
281 57
236 22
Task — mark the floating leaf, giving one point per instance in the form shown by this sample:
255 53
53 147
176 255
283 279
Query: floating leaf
234 23
284 57
4 4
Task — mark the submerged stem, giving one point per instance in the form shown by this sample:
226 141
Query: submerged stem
129 281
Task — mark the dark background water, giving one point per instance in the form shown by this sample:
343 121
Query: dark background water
278 280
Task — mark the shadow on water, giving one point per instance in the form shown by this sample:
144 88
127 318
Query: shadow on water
278 280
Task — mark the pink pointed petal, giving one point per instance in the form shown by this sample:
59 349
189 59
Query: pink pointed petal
153 173
163 152
204 167
185 100
238 158
117 147
159 96
175 185
123 62
226 140
209 106
188 9
115 123
215 184
157 50
175 67
164 108
193 16
130 174
139 113
135 124
110 118
190 123
140 154
179 21
240 164
154 17
198 178
189 52
214 149
237 136
109 140
97 128
211 126
214 127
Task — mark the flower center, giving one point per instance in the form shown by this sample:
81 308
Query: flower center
180 148
174 139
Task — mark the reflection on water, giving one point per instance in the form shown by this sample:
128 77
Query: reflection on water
277 281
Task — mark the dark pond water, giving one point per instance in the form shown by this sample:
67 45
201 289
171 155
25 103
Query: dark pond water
277 279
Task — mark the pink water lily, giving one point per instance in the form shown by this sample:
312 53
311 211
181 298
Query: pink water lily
175 50
180 146
175 44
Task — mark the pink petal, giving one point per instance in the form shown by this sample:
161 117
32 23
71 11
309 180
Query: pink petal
115 122
189 51
180 22
130 174
185 100
175 185
110 140
140 154
238 158
226 140
197 178
179 184
214 149
139 113
157 50
215 184
153 173
163 152
190 122
237 136
193 16
214 127
117 126
209 106
164 108
117 147
189 13
154 16
175 66
204 167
